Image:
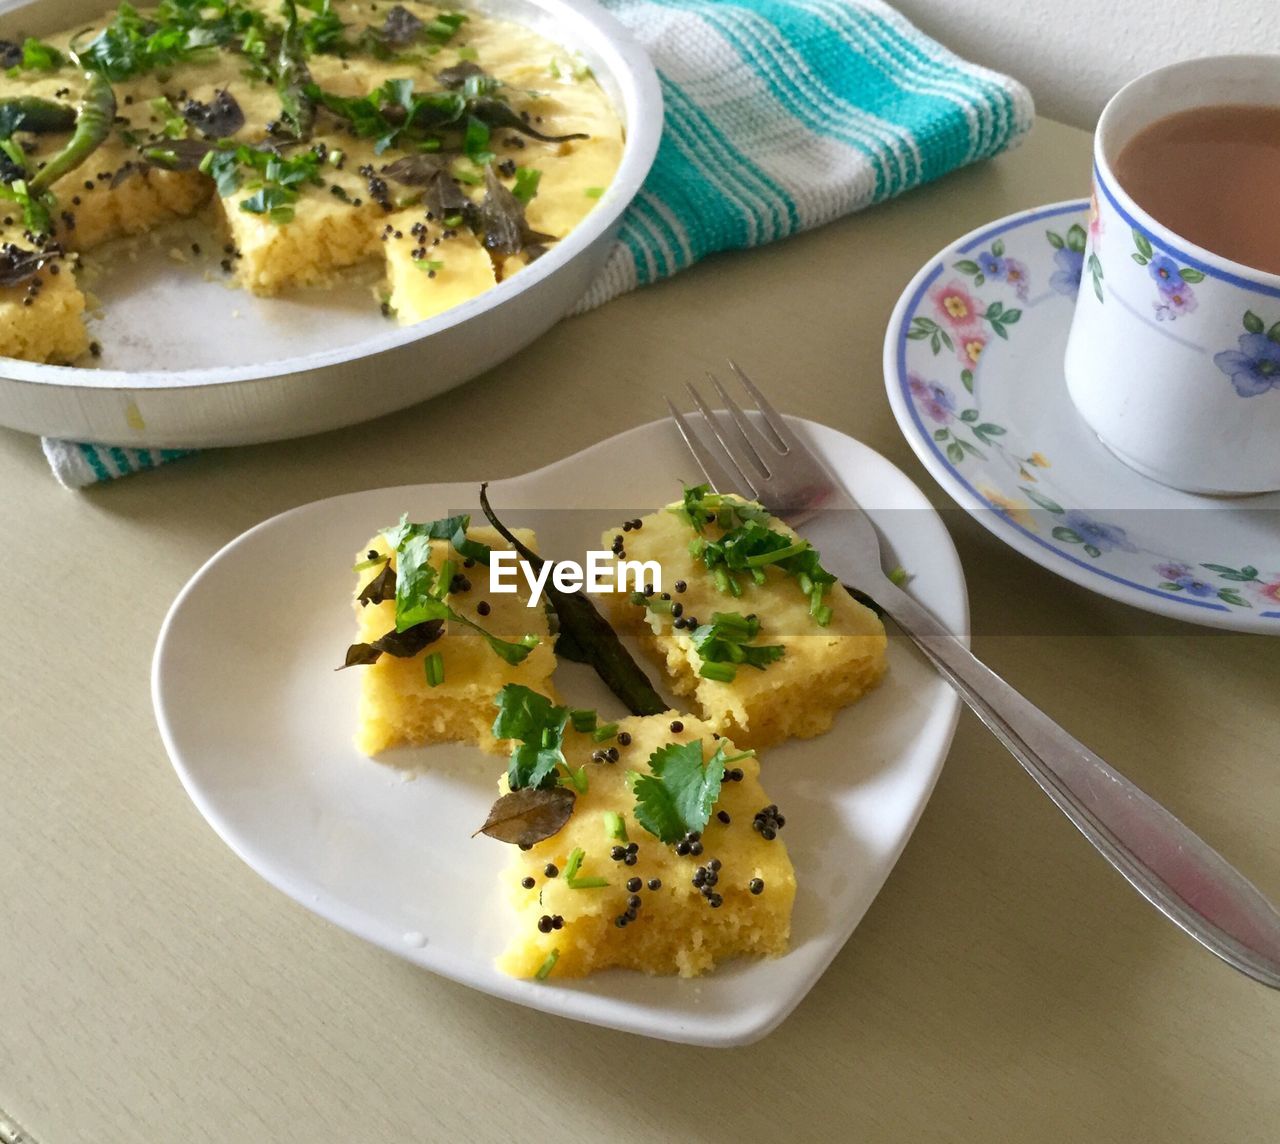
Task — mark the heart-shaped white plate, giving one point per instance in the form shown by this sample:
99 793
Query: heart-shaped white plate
259 728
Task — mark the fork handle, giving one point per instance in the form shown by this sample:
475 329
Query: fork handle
1168 864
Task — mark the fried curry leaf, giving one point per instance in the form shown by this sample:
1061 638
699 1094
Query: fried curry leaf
17 265
456 76
588 633
381 587
441 194
502 220
220 117
402 645
180 154
401 27
677 796
527 817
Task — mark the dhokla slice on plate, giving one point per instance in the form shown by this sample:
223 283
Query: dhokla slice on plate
605 891
435 680
747 621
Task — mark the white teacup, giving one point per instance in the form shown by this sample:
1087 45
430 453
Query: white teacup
1174 353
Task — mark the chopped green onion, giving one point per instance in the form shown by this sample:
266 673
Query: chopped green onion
574 864
571 869
428 265
608 731
594 192
615 825
544 970
583 719
823 615
777 554
721 672
467 52
453 220
656 604
639 599
526 184
370 563
554 68
434 666
899 576
336 155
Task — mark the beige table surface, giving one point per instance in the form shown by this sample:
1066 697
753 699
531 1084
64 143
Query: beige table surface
1006 984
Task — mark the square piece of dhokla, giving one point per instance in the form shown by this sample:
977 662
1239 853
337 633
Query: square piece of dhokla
684 907
398 704
820 669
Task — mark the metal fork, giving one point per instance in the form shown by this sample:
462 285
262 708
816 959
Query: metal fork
1169 865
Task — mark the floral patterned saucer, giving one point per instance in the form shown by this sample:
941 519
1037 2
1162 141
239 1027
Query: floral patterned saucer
973 365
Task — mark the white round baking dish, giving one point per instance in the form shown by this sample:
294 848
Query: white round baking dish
330 373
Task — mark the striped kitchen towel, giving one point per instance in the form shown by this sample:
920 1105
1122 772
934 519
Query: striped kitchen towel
780 115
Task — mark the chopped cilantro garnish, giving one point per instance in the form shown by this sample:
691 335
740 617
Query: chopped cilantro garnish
544 970
421 588
39 56
450 528
679 793
748 546
419 592
537 725
526 184
323 32
274 181
134 44
726 642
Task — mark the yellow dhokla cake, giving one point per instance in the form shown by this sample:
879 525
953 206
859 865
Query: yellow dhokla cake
399 705
450 147
814 668
665 908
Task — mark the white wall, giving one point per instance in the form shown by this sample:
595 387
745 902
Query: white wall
1074 54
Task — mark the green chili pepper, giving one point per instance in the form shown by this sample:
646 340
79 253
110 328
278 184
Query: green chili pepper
95 114
30 113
